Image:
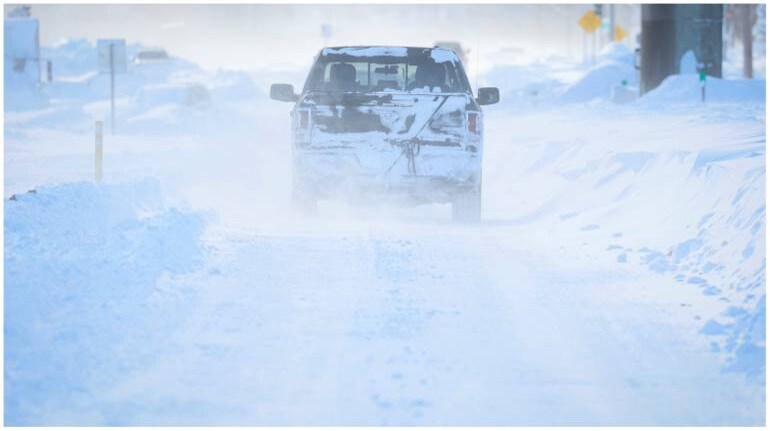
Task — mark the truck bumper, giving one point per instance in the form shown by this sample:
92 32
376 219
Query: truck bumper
441 174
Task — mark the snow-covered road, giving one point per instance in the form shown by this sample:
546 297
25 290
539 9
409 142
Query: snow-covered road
428 325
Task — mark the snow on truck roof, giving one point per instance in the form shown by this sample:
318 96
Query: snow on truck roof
439 55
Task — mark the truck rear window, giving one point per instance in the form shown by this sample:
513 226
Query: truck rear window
343 73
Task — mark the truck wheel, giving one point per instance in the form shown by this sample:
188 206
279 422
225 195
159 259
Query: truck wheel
467 206
304 200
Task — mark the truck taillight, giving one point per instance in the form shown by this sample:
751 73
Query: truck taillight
304 119
302 127
473 122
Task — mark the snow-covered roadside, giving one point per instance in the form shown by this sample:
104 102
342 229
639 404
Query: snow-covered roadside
90 290
677 189
555 82
202 151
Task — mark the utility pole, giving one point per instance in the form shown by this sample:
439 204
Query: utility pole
747 23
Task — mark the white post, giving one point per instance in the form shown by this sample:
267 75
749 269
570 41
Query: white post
112 88
98 153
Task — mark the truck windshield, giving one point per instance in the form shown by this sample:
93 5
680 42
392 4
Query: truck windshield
418 74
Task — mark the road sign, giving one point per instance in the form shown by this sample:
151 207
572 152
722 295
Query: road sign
620 33
117 62
590 21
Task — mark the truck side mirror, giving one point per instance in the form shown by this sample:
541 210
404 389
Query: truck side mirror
283 93
488 96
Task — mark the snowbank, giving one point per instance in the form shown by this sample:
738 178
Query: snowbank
550 83
84 272
598 82
22 95
687 89
684 198
160 97
71 57
615 68
555 80
525 85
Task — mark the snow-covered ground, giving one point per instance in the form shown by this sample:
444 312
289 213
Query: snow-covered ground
617 278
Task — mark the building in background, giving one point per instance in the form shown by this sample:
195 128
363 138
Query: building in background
21 60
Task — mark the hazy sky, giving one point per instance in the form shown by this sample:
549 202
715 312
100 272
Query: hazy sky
251 36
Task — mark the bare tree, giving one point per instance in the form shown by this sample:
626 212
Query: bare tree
747 16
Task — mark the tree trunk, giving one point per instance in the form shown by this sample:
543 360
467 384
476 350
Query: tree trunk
746 26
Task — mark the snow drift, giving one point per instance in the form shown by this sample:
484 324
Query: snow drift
84 282
691 208
687 89
553 82
615 68
159 97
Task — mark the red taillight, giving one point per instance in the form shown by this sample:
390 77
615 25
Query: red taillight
304 119
473 119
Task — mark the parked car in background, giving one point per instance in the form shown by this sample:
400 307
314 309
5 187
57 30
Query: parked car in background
151 55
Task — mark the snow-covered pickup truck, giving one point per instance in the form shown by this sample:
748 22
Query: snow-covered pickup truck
378 122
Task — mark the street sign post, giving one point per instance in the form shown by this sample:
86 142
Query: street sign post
702 69
590 22
111 54
619 34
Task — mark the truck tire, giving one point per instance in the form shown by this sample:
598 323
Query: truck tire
466 206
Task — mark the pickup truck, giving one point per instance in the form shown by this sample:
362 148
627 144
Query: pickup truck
380 122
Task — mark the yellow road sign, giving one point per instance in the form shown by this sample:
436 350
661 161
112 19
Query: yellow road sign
620 34
590 21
